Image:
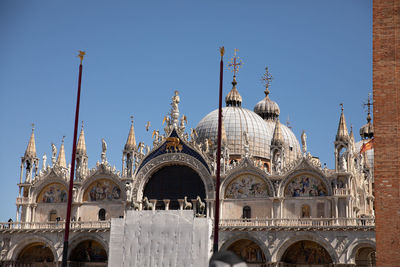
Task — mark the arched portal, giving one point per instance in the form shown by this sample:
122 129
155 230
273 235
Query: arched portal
307 252
35 254
174 182
365 257
248 251
89 251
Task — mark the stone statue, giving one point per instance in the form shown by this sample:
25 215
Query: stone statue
44 162
175 109
155 136
343 162
53 154
304 141
183 123
140 148
103 151
147 149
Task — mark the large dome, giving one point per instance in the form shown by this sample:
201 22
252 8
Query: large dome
238 120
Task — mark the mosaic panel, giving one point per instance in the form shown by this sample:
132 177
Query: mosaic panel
247 186
102 190
53 193
305 186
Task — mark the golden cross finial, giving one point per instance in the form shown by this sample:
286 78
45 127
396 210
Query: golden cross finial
267 78
236 62
341 106
132 119
81 55
369 104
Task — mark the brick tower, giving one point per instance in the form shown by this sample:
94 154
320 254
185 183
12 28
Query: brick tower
386 87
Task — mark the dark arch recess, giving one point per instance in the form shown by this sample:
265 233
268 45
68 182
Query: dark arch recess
306 252
88 251
174 182
35 252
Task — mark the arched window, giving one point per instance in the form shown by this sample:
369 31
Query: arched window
305 211
52 216
246 212
102 215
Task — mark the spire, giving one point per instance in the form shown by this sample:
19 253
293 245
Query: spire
31 148
342 133
233 98
81 146
277 138
131 141
61 155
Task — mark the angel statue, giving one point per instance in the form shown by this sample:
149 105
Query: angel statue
304 141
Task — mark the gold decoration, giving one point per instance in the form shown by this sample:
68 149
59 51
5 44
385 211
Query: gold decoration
267 78
81 55
222 51
236 62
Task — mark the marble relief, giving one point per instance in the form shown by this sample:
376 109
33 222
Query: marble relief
247 186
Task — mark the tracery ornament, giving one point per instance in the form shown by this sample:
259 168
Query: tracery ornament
102 190
247 186
305 186
53 193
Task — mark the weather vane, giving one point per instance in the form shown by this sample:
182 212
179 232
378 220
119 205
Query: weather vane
81 55
267 78
236 62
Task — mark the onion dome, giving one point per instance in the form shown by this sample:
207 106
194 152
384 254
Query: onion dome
367 130
233 98
266 108
30 151
81 146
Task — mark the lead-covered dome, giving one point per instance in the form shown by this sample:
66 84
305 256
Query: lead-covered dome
267 108
238 120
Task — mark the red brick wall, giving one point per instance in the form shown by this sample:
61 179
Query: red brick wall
386 87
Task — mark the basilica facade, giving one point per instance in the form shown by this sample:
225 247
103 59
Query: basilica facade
279 206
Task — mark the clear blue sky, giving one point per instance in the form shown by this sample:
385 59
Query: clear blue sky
139 52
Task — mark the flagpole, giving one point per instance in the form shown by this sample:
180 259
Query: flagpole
218 158
71 178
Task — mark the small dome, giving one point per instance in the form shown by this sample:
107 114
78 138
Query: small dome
233 98
266 108
367 130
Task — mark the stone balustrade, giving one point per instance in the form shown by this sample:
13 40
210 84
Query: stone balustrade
298 222
341 191
51 226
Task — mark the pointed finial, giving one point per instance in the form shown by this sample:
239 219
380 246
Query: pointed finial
31 148
62 141
81 55
131 141
61 155
267 78
342 132
222 51
81 146
341 106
